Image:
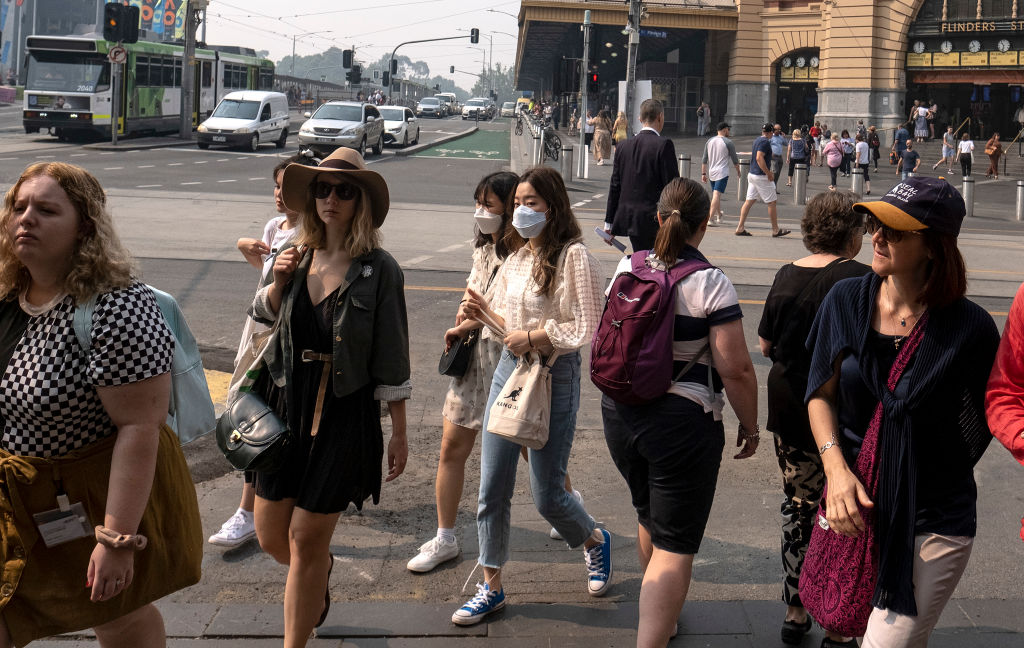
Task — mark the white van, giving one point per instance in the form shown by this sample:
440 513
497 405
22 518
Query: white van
247 118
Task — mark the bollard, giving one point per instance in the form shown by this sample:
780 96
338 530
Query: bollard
968 194
1020 200
857 181
566 163
684 165
800 184
741 188
536 151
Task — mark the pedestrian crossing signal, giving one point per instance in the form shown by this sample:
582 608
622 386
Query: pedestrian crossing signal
474 35
593 85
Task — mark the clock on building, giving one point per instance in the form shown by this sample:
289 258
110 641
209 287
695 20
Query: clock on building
946 47
814 61
919 47
801 61
974 46
1003 45
787 62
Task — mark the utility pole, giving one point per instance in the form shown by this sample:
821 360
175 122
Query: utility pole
636 8
188 68
584 76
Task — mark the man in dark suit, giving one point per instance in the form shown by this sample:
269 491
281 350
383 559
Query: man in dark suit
643 166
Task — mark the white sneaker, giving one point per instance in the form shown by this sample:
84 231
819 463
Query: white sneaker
553 533
238 529
433 553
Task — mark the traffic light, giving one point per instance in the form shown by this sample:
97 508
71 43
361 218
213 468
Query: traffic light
474 35
355 74
113 21
452 70
592 84
130 26
346 59
394 67
386 81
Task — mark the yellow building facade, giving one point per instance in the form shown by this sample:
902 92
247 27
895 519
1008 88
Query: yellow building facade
793 61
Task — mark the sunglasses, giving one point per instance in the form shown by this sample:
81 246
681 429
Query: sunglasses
344 191
872 225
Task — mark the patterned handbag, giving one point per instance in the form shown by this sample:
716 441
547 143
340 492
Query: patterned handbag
839 573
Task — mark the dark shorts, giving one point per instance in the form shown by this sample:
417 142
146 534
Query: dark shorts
720 184
669 452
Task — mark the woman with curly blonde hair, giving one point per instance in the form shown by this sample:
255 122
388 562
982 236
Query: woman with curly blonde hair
88 426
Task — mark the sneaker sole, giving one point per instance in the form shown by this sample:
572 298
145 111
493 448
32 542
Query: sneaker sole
468 621
423 569
232 543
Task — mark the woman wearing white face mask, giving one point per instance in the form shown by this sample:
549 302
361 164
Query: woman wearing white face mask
547 297
464 405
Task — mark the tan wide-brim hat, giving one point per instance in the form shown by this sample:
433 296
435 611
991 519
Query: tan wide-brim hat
345 163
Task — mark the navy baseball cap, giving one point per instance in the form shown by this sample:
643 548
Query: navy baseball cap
918 204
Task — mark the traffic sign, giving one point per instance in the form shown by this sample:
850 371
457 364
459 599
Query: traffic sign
117 54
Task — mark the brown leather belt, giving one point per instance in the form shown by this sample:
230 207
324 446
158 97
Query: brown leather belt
325 379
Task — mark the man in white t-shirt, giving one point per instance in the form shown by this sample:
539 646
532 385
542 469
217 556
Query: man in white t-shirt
714 168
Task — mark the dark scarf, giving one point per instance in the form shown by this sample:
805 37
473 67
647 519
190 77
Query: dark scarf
952 334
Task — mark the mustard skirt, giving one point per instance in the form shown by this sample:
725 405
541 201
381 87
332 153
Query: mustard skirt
42 591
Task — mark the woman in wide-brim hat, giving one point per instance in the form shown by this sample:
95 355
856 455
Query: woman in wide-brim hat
342 345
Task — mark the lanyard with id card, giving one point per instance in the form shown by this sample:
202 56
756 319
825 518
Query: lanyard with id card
63 524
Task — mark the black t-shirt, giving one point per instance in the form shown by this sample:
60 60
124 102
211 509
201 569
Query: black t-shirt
786 321
761 144
910 159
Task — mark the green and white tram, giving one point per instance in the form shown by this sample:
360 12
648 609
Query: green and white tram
68 89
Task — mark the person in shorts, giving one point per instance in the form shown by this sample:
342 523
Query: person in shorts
761 184
714 169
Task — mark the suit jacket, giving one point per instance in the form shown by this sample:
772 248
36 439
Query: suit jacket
643 166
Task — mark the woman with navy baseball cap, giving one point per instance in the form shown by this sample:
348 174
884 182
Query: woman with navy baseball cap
900 362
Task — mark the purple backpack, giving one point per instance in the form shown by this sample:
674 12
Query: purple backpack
631 354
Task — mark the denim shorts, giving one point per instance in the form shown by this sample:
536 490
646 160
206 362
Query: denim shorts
669 452
719 185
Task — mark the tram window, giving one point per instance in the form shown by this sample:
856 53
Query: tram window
266 80
141 71
206 70
177 73
168 73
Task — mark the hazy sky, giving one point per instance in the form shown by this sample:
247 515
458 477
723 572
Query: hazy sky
373 27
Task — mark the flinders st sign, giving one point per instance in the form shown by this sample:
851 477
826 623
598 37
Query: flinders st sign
963 27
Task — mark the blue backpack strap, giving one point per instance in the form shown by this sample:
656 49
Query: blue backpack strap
83 324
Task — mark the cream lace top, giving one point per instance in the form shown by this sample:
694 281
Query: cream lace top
573 311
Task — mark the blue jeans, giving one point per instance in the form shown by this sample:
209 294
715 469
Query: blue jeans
499 459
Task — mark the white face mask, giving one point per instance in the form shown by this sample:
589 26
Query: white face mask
487 222
528 223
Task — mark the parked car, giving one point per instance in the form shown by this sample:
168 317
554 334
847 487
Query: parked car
508 109
474 106
343 123
400 126
430 107
246 118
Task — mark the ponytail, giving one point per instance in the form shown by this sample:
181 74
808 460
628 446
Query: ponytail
684 207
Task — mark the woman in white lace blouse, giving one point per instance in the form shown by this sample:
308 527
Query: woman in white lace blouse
548 300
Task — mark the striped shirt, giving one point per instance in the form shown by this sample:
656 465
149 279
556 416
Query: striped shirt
704 299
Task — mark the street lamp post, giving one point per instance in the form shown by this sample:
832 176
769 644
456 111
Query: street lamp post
325 31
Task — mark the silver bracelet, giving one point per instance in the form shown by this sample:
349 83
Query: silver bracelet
746 434
828 445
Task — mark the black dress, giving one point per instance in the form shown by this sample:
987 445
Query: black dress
342 463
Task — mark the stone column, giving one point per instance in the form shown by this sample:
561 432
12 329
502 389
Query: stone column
749 88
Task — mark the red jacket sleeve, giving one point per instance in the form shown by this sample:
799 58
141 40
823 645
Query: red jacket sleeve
1004 398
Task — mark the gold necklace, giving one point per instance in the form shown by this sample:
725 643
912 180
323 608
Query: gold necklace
898 339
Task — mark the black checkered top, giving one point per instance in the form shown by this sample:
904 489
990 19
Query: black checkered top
47 395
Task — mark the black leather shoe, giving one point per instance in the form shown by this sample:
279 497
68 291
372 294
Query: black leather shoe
793 632
832 643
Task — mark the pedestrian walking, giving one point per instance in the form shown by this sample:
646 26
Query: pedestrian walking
779 143
833 234
556 114
602 136
994 151
875 144
899 144
340 303
815 133
463 410
862 157
643 166
965 153
259 253
797 153
913 356
620 130
833 156
948 150
920 119
588 130
703 118
1004 397
86 450
719 152
761 185
910 160
669 450
546 301
861 129
848 143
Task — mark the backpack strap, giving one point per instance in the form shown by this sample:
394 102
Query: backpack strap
83 324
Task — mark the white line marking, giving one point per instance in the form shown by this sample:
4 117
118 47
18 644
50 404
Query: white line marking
451 248
112 168
202 162
7 159
223 159
419 259
580 203
176 164
191 183
107 153
75 155
254 179
223 181
45 157
146 186
145 166
596 196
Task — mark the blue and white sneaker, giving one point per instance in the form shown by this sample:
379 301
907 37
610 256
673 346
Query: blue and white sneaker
599 566
478 607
